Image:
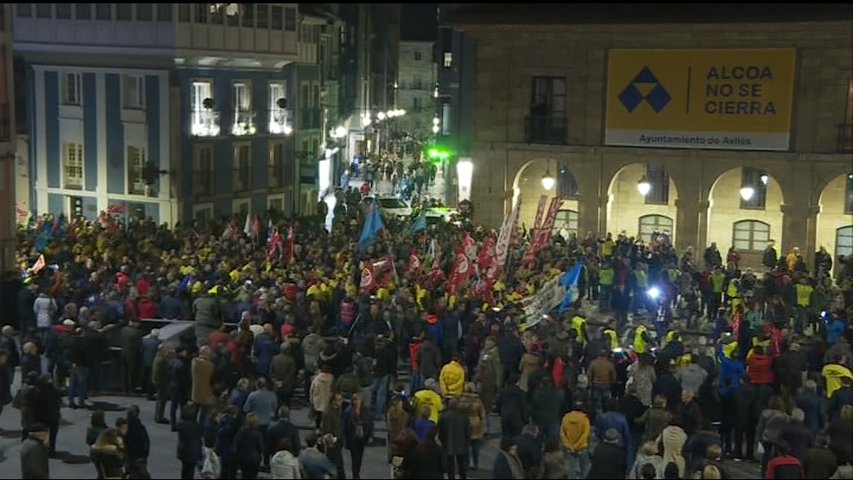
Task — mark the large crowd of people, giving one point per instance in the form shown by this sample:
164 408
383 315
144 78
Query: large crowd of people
664 364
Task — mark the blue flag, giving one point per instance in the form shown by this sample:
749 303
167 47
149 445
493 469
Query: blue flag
568 280
419 224
372 226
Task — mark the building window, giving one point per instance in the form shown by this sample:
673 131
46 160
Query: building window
249 15
567 184
848 195
183 12
25 10
652 224
750 235
201 10
204 119
416 104
203 171
263 15
72 89
276 165
448 59
72 166
844 242
164 12
104 11
242 168
290 19
43 10
243 121
63 10
278 113
134 91
757 180
568 219
136 160
659 179
277 18
144 12
124 12
417 55
547 120
83 11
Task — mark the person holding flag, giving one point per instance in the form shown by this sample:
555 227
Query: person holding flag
372 227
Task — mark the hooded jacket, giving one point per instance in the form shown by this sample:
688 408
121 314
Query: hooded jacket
452 380
575 431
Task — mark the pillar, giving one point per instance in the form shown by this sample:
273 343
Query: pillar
588 215
795 219
686 224
811 234
704 218
603 213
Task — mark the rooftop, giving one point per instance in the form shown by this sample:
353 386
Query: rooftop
639 13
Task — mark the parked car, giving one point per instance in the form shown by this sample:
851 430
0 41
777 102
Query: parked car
389 205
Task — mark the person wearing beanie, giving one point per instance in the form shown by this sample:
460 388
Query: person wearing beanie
609 460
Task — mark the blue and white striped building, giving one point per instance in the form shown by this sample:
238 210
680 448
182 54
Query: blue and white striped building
195 89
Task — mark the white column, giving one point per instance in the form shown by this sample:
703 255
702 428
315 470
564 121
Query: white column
101 121
41 144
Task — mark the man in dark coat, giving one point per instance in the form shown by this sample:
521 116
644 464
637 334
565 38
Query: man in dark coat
282 428
130 341
47 408
179 384
789 370
608 460
512 406
746 418
283 375
813 405
137 444
34 455
7 344
668 386
454 431
798 436
529 448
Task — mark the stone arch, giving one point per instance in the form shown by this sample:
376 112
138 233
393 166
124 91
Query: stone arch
726 210
833 213
527 183
625 205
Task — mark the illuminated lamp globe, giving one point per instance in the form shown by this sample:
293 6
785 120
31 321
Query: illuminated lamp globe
746 193
643 186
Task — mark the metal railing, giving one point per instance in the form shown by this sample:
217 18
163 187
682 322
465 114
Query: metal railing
551 129
845 137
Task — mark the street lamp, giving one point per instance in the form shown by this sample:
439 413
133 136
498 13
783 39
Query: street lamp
548 179
764 179
465 172
746 193
643 186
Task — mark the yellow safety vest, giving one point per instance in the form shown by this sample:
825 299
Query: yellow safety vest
614 339
578 323
639 343
804 293
670 336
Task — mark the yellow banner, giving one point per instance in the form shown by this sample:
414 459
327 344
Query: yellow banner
723 99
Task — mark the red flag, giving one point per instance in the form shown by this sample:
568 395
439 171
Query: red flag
288 246
21 214
274 244
117 209
486 258
256 228
368 279
461 271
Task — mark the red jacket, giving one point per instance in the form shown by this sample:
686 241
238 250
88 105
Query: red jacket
216 337
147 308
785 462
760 369
414 347
142 286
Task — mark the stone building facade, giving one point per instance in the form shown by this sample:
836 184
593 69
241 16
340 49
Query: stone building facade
510 52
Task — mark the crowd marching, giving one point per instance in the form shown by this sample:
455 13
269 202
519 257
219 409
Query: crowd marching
653 365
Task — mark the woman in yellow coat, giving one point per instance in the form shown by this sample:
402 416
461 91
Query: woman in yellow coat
452 377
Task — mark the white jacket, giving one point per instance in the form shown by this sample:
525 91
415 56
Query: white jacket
44 309
284 465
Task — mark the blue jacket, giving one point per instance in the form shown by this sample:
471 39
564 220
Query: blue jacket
225 437
349 426
834 331
616 421
731 370
265 349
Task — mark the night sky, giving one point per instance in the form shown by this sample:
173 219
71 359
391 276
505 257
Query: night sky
418 22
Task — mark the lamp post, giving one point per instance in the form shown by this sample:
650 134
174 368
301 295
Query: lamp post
548 179
464 172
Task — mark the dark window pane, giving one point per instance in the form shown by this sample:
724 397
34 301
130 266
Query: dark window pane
183 12
201 12
144 11
848 202
124 12
104 11
277 19
25 10
43 10
84 11
263 14
249 15
290 19
164 12
63 10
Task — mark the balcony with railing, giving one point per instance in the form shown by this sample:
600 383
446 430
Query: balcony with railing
310 118
205 123
279 122
845 137
244 123
551 129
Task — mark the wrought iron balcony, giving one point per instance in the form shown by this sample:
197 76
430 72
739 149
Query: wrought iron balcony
244 123
552 129
279 122
205 123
